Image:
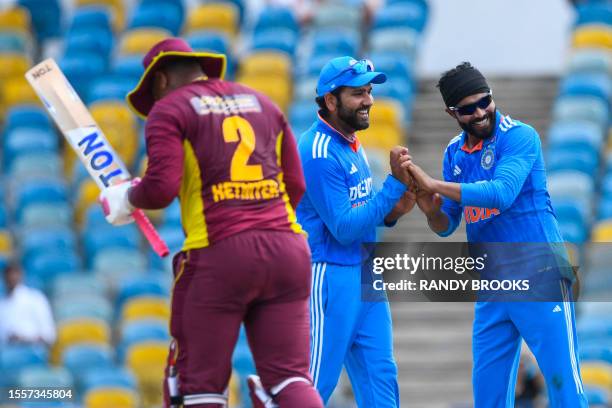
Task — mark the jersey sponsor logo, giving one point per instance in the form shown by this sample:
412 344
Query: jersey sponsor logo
353 169
236 190
476 214
319 146
361 190
488 158
225 105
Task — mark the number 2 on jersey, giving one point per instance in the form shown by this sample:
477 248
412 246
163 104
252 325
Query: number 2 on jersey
238 129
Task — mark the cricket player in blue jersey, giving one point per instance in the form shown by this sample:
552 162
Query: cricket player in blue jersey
494 175
340 211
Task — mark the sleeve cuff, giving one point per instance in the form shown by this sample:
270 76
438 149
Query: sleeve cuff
452 226
394 187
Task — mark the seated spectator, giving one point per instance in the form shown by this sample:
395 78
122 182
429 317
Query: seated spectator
25 314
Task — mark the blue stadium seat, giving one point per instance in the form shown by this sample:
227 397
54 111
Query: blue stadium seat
45 266
162 14
36 165
109 377
16 357
82 358
89 40
53 239
41 215
141 330
46 17
596 308
81 69
40 191
14 42
90 18
22 141
339 42
394 65
205 40
590 61
579 131
594 13
598 85
41 377
597 280
116 259
100 238
94 218
336 15
277 40
402 14
66 286
402 40
174 238
302 115
82 305
570 184
594 328
582 108
275 18
574 157
110 87
26 116
147 285
172 215
128 66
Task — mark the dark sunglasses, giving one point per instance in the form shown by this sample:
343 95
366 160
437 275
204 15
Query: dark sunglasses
357 68
469 109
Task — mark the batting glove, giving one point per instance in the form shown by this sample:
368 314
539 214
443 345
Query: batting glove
115 203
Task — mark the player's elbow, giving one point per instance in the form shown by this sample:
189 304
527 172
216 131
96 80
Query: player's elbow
504 196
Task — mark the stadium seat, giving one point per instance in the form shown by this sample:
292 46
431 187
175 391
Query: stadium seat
46 265
597 85
142 330
57 239
387 112
401 15
15 42
81 358
46 17
94 17
83 306
89 40
172 214
13 65
101 238
35 166
16 357
139 41
570 184
147 361
120 127
392 64
167 15
81 68
573 158
108 377
593 12
17 91
118 259
336 16
144 286
275 18
597 374
212 41
116 397
43 215
340 42
594 328
277 89
281 39
597 279
128 67
302 115
222 17
145 307
590 61
15 19
45 377
581 109
597 397
602 231
399 40
40 191
26 116
265 63
110 88
380 136
6 243
593 36
116 8
79 331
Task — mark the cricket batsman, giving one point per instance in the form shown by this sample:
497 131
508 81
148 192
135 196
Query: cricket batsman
227 153
494 175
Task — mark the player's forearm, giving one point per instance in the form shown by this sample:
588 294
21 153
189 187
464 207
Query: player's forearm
153 193
448 189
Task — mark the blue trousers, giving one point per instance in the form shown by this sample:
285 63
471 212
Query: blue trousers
346 331
548 329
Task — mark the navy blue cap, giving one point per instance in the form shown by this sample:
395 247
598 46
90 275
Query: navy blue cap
347 71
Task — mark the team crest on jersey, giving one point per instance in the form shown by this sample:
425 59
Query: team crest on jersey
487 159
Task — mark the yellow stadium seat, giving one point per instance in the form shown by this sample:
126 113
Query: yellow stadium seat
120 128
143 307
266 63
140 40
277 89
215 17
602 231
75 331
386 111
17 91
87 195
13 65
383 137
117 10
15 19
6 242
593 36
597 374
111 397
147 360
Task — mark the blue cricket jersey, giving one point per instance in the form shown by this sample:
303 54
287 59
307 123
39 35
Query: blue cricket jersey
340 210
503 186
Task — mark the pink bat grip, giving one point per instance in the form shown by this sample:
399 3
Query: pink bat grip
148 230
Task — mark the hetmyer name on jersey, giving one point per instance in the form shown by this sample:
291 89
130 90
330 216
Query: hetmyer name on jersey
361 190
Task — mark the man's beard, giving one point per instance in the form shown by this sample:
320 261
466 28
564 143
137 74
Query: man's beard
477 132
351 118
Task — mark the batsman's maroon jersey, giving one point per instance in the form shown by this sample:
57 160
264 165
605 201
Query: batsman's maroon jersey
227 152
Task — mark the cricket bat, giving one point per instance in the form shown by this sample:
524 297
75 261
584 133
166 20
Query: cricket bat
85 137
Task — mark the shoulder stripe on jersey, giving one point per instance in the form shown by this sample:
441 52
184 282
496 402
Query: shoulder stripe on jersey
507 123
319 146
454 140
314 145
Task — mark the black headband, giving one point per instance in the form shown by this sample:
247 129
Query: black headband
462 83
